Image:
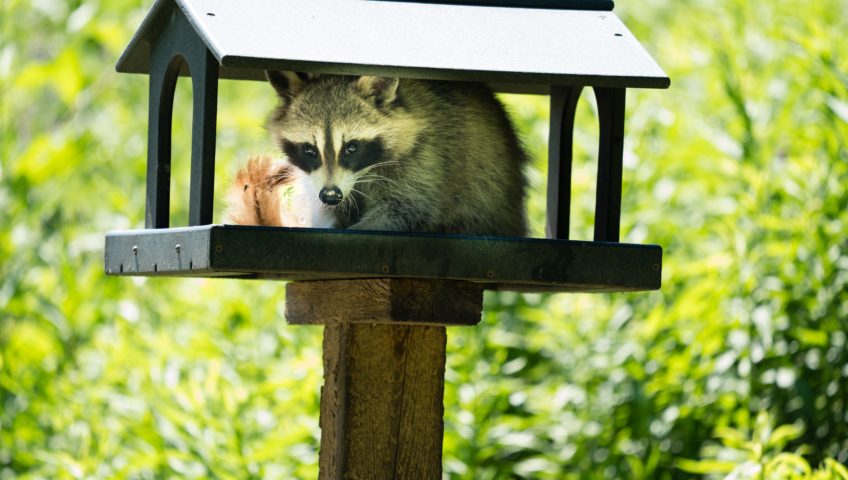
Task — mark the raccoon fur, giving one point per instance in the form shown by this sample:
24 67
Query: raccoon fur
377 153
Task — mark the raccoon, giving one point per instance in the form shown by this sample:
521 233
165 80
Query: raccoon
401 154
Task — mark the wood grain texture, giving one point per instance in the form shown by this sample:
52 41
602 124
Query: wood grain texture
381 403
384 370
384 300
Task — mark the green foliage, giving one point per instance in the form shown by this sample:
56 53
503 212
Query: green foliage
739 171
760 456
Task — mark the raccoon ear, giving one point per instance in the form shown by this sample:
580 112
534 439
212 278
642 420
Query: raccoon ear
382 90
287 84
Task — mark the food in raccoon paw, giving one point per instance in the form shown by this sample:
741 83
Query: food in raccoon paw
401 154
254 197
268 192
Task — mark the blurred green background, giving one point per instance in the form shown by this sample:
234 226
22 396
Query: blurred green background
739 364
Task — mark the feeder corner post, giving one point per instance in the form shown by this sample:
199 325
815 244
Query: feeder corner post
384 367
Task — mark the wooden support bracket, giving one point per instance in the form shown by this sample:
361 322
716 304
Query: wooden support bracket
384 369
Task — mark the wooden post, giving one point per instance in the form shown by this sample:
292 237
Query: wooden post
384 370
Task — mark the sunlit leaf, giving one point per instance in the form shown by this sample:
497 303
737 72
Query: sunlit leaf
783 434
705 466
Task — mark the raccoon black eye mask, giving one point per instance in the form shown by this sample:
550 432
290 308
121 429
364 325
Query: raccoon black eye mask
303 155
354 155
377 153
359 155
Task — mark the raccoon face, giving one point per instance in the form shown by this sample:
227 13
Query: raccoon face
338 130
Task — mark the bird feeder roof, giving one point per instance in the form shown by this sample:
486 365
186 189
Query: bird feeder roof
514 48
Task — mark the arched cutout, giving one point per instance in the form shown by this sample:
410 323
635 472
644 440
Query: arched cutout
610 109
176 50
181 145
163 82
584 178
560 154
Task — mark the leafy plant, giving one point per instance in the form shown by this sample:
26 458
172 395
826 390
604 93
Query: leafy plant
740 172
760 454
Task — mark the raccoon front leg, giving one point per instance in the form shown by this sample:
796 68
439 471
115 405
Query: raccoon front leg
376 221
386 218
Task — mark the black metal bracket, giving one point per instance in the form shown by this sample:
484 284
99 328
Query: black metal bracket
178 47
611 105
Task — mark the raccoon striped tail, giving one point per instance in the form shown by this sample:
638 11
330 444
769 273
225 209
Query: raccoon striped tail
254 198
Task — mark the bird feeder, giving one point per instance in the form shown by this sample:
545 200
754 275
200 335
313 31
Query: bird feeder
386 296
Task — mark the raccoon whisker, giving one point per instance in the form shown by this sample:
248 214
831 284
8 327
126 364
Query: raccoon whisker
352 200
355 205
373 177
366 181
364 173
346 205
361 193
380 164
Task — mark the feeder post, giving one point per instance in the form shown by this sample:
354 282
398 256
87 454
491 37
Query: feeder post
384 368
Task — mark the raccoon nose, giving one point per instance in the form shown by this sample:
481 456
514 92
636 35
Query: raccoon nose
330 195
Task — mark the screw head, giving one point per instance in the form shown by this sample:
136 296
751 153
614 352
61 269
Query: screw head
219 248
